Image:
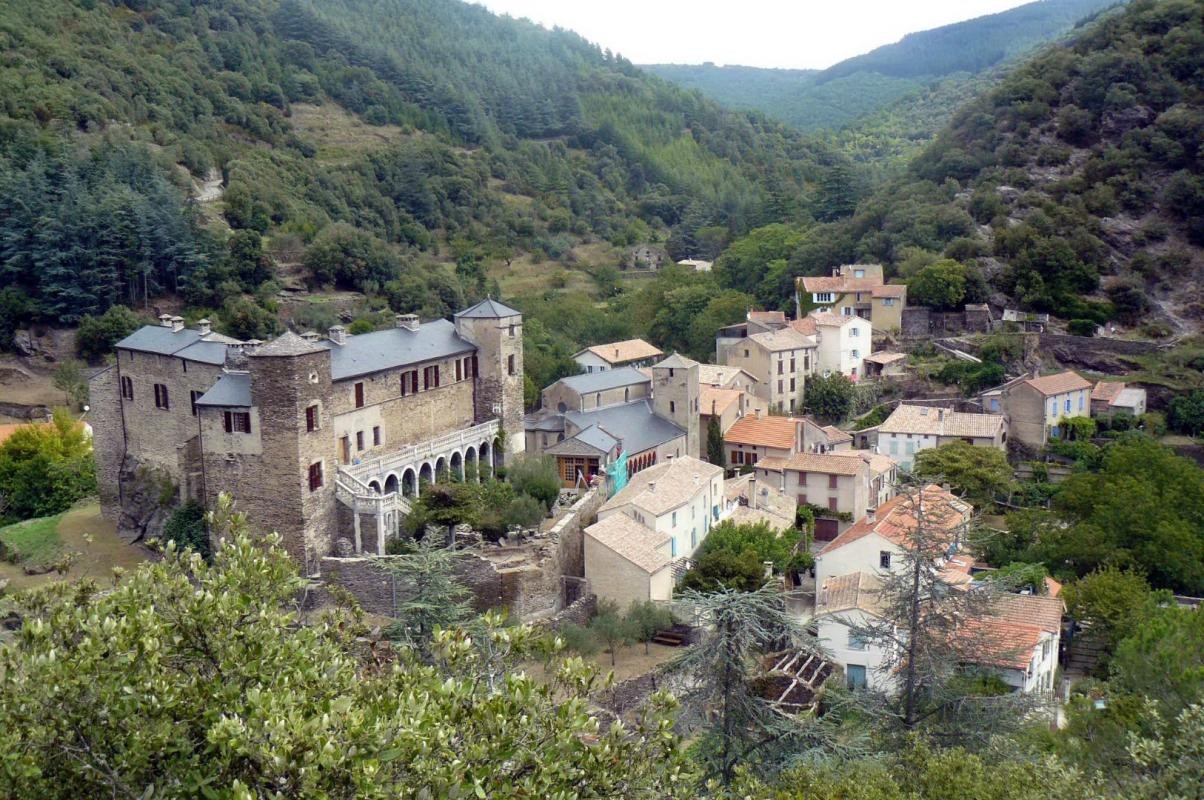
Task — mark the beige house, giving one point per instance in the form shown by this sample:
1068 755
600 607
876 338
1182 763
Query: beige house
854 290
646 533
721 376
836 483
628 353
1035 407
597 390
1109 398
843 605
780 360
910 429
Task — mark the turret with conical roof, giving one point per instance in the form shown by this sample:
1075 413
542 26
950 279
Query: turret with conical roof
497 331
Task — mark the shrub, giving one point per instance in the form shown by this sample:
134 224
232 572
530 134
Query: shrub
578 638
1081 327
46 468
524 511
95 337
186 527
537 477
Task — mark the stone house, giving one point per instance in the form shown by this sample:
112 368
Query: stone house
1109 398
854 290
595 390
666 513
838 483
877 541
885 365
910 429
628 353
1035 407
317 439
779 360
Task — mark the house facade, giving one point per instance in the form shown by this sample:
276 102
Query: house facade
779 360
318 439
837 483
845 607
854 290
1037 406
628 353
844 340
910 429
1109 398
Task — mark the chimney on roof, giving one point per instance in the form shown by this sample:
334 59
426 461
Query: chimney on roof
651 487
177 324
616 354
203 327
310 336
337 334
407 322
871 515
165 320
940 413
835 272
758 413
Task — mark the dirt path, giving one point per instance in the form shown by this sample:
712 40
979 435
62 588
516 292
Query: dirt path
210 189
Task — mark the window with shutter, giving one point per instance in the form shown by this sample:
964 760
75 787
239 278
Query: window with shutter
359 395
311 419
161 399
315 476
127 388
359 440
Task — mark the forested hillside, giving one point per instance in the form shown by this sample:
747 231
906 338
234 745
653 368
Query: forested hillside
388 146
1075 187
859 86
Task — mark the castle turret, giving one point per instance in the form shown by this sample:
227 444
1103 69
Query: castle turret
497 331
675 394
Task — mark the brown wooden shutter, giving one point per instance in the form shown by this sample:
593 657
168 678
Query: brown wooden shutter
229 420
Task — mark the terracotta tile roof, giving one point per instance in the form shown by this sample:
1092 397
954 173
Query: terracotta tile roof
826 463
717 401
785 339
805 326
1068 381
1052 588
857 590
767 317
1029 609
666 486
895 520
832 320
780 433
839 283
879 463
885 358
624 352
677 361
997 643
631 540
836 435
890 290
941 422
1107 390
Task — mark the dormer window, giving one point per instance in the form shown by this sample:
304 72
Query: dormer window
823 297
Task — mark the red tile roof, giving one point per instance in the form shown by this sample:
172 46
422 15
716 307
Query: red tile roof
839 283
890 290
1068 381
767 316
895 520
1107 390
780 433
805 326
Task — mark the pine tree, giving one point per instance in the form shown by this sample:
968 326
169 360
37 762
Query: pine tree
715 444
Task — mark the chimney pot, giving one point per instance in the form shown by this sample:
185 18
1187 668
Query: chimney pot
871 514
177 324
651 486
337 334
407 322
310 336
165 320
204 326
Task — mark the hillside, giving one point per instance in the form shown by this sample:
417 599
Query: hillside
849 91
397 147
1075 187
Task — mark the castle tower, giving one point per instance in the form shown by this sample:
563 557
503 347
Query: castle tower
675 394
497 331
291 490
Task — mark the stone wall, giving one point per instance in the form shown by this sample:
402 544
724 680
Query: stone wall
108 439
1079 344
37 413
525 579
919 321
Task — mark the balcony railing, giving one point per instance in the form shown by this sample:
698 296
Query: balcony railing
413 455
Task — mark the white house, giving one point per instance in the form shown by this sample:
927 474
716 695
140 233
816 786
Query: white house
675 504
879 540
844 340
845 605
1018 640
910 429
628 353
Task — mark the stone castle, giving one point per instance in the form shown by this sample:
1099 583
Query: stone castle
322 440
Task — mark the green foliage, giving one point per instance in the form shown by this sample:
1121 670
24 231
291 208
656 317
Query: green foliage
830 397
733 557
535 476
95 336
69 379
429 595
941 285
611 630
1114 603
45 468
971 377
766 543
578 638
1163 658
1186 413
1018 576
1077 428
646 620
189 680
34 542
186 527
1081 327
716 454
979 474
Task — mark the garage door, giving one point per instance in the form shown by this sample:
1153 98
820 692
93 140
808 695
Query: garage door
826 529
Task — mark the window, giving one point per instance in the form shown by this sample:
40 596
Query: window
237 421
693 537
823 297
359 395
161 400
856 353
884 559
459 367
127 389
670 372
184 364
792 363
781 366
359 440
376 436
888 301
737 457
672 407
513 328
853 331
746 353
856 676
792 386
626 395
831 503
315 476
509 365
430 377
802 499
673 547
832 481
193 396
858 273
673 519
1067 405
780 389
1080 401
894 447
311 419
856 641
1053 407
472 362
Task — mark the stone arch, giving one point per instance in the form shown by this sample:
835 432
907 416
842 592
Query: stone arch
497 453
485 457
409 483
471 467
390 483
374 486
440 468
426 473
456 466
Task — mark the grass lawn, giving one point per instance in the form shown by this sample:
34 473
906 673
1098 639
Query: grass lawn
34 541
79 530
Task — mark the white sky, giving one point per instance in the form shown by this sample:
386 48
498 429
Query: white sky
760 33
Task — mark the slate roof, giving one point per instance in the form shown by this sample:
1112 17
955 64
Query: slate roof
231 390
631 540
1067 381
158 339
623 352
674 483
677 361
395 347
780 433
592 439
932 422
488 309
633 424
588 382
895 519
288 344
543 422
205 351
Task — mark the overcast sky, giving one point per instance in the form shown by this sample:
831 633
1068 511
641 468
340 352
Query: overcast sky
760 33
